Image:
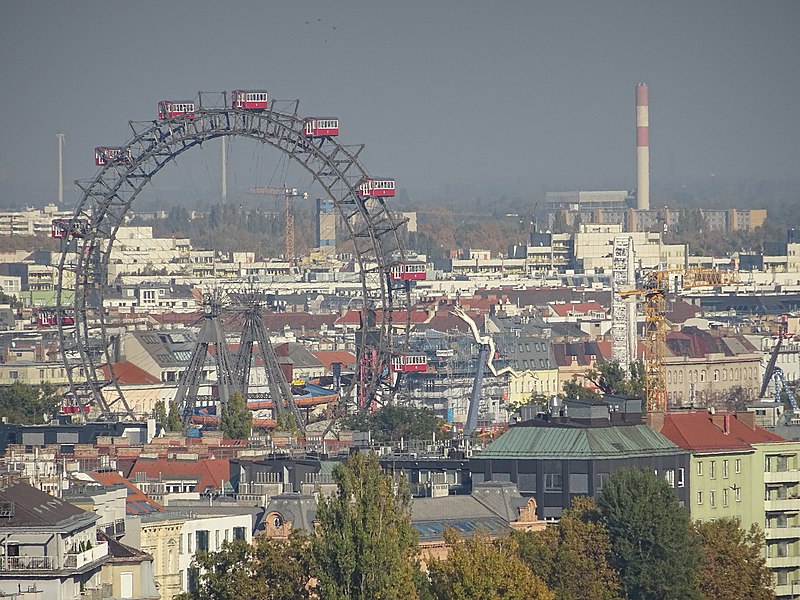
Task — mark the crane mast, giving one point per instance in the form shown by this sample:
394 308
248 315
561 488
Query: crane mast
653 288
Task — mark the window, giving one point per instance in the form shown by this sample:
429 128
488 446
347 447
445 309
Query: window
738 465
699 497
702 375
712 499
238 533
725 497
553 482
681 478
189 546
699 468
526 482
712 469
202 540
783 464
602 479
192 576
724 469
670 477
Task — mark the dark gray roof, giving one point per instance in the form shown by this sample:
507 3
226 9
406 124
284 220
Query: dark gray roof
526 352
25 506
490 508
169 348
298 509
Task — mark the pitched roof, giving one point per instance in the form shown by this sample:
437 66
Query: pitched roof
209 472
444 321
136 502
119 552
128 373
696 343
328 357
34 508
576 308
559 442
701 431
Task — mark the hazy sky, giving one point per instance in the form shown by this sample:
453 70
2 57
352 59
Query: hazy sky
513 95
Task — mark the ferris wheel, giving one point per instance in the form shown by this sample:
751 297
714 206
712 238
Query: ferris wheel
309 142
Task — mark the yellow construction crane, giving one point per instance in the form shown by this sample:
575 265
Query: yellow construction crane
287 193
653 289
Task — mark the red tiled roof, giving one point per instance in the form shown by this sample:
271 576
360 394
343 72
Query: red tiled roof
128 373
444 321
353 317
582 308
701 431
137 502
210 472
328 357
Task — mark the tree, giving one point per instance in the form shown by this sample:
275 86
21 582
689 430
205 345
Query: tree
573 389
653 548
573 558
730 553
477 569
534 398
28 404
236 422
266 570
160 413
174 422
393 422
613 379
365 543
287 423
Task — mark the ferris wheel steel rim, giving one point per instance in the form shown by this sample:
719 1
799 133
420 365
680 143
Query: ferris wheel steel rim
371 227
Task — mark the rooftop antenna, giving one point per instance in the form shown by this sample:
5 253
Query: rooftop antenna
61 144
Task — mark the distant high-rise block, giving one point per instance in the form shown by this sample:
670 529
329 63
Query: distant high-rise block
326 225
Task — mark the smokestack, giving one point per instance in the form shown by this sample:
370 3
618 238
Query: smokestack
642 148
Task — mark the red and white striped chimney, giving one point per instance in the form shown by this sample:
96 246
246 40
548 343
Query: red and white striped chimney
642 148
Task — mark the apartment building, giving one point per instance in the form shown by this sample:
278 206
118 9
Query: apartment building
48 545
743 471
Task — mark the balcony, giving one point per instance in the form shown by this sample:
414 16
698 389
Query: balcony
790 476
81 559
777 533
783 562
28 563
782 505
115 529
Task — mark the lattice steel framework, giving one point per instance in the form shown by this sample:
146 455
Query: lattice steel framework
211 334
623 310
252 304
106 199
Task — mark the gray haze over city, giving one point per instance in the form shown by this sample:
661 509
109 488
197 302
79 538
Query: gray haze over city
489 97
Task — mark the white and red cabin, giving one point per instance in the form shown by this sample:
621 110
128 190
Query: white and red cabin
64 228
408 271
320 127
376 188
409 363
70 406
170 109
104 155
250 99
49 317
